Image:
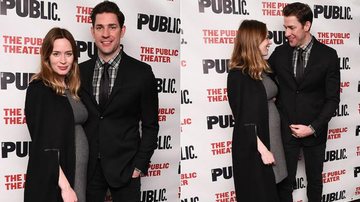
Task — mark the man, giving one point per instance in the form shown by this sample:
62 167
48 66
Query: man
308 74
119 93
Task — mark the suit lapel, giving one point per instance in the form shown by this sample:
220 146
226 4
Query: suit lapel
289 60
313 55
119 77
88 73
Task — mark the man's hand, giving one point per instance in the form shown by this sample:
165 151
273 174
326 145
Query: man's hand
300 131
136 174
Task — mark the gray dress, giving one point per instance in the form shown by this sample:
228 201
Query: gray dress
276 146
81 147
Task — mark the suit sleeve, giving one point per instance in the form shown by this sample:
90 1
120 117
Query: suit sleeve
332 93
149 121
272 62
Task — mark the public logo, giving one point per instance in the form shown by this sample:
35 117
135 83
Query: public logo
344 85
277 37
188 152
15 181
166 85
334 155
19 80
342 110
186 178
20 149
164 142
156 195
228 196
31 9
344 63
184 123
87 47
156 169
222 121
336 133
156 54
299 183
219 66
224 173
14 116
191 199
235 7
332 12
83 14
156 23
334 196
333 176
272 8
357 171
219 148
21 45
185 96
221 37
216 95
333 38
164 113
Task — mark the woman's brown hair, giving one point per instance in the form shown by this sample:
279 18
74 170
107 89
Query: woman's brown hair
47 74
246 54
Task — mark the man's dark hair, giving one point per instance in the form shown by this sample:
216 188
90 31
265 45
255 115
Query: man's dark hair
301 11
107 7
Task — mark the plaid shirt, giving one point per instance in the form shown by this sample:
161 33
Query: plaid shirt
114 66
306 54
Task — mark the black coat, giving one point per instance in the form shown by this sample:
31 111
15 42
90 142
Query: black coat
254 181
315 99
50 121
114 132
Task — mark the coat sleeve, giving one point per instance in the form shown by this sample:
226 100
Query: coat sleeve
149 121
43 166
245 130
332 93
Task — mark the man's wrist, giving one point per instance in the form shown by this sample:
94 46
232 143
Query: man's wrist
313 130
138 170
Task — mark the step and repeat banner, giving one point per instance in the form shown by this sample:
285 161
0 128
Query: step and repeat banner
208 32
197 56
152 36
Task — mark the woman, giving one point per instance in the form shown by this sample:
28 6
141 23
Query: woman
258 156
54 113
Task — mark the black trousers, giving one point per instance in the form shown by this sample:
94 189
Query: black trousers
314 159
98 186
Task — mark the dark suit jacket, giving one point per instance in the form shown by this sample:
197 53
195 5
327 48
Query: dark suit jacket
316 98
50 121
248 102
115 131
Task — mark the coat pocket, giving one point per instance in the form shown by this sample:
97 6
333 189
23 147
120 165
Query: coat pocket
250 134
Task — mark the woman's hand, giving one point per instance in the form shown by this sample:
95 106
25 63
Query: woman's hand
68 195
267 157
